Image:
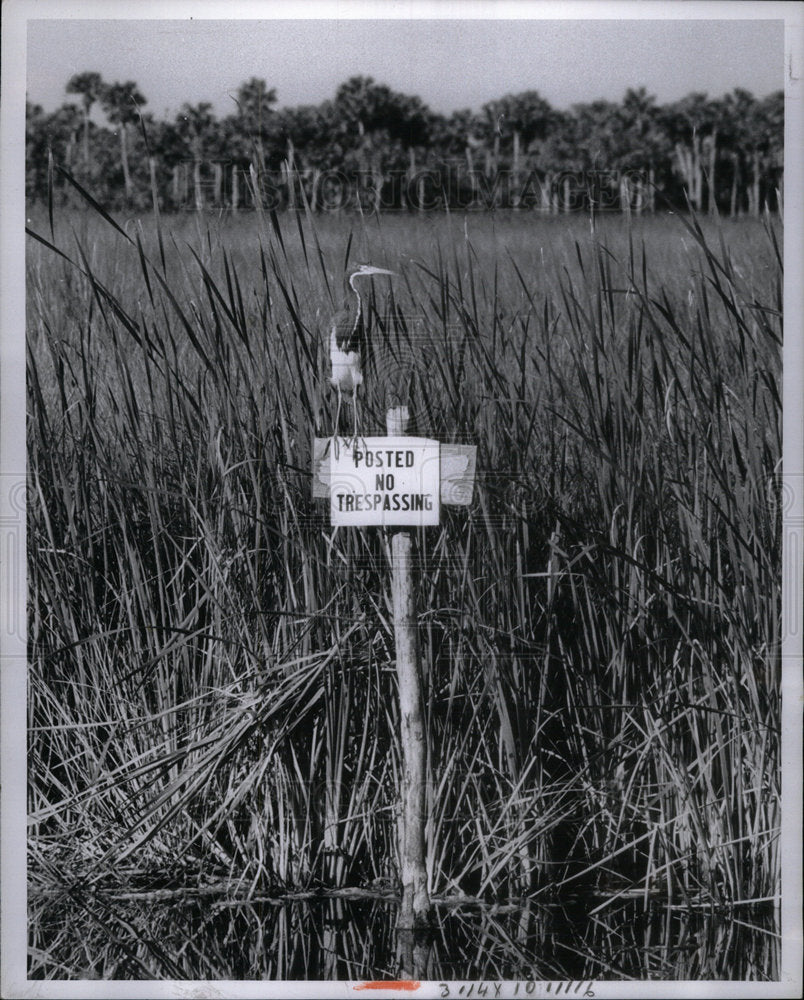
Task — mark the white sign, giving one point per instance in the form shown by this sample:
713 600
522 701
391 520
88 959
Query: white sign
384 481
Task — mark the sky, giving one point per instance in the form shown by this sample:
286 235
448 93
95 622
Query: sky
449 63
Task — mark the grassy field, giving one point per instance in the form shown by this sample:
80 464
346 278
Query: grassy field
212 687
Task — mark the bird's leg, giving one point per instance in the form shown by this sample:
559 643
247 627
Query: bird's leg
337 422
354 408
357 423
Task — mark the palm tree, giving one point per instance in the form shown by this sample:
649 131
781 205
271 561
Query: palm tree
255 106
689 122
35 151
644 143
379 127
736 110
524 117
584 143
196 124
557 153
90 87
753 139
307 135
766 143
122 102
62 127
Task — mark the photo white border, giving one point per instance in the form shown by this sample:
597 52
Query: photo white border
15 14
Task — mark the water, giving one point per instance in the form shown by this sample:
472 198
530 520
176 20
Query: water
213 938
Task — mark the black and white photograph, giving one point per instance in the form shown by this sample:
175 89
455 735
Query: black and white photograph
401 499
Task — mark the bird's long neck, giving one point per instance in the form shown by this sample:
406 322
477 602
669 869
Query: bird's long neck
345 329
359 311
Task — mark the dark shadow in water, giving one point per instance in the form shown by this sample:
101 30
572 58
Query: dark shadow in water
81 936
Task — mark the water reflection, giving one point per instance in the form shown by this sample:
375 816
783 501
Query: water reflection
211 938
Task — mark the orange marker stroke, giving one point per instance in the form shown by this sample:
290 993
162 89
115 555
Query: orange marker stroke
390 984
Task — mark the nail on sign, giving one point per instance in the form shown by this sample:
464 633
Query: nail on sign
384 481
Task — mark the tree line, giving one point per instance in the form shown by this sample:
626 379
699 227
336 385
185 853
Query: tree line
372 147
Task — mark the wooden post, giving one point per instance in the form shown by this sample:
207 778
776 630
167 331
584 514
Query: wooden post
445 473
414 910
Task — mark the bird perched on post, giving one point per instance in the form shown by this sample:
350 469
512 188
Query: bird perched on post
344 351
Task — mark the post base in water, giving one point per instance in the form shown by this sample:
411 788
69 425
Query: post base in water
414 950
413 920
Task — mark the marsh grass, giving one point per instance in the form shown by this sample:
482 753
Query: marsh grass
212 691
